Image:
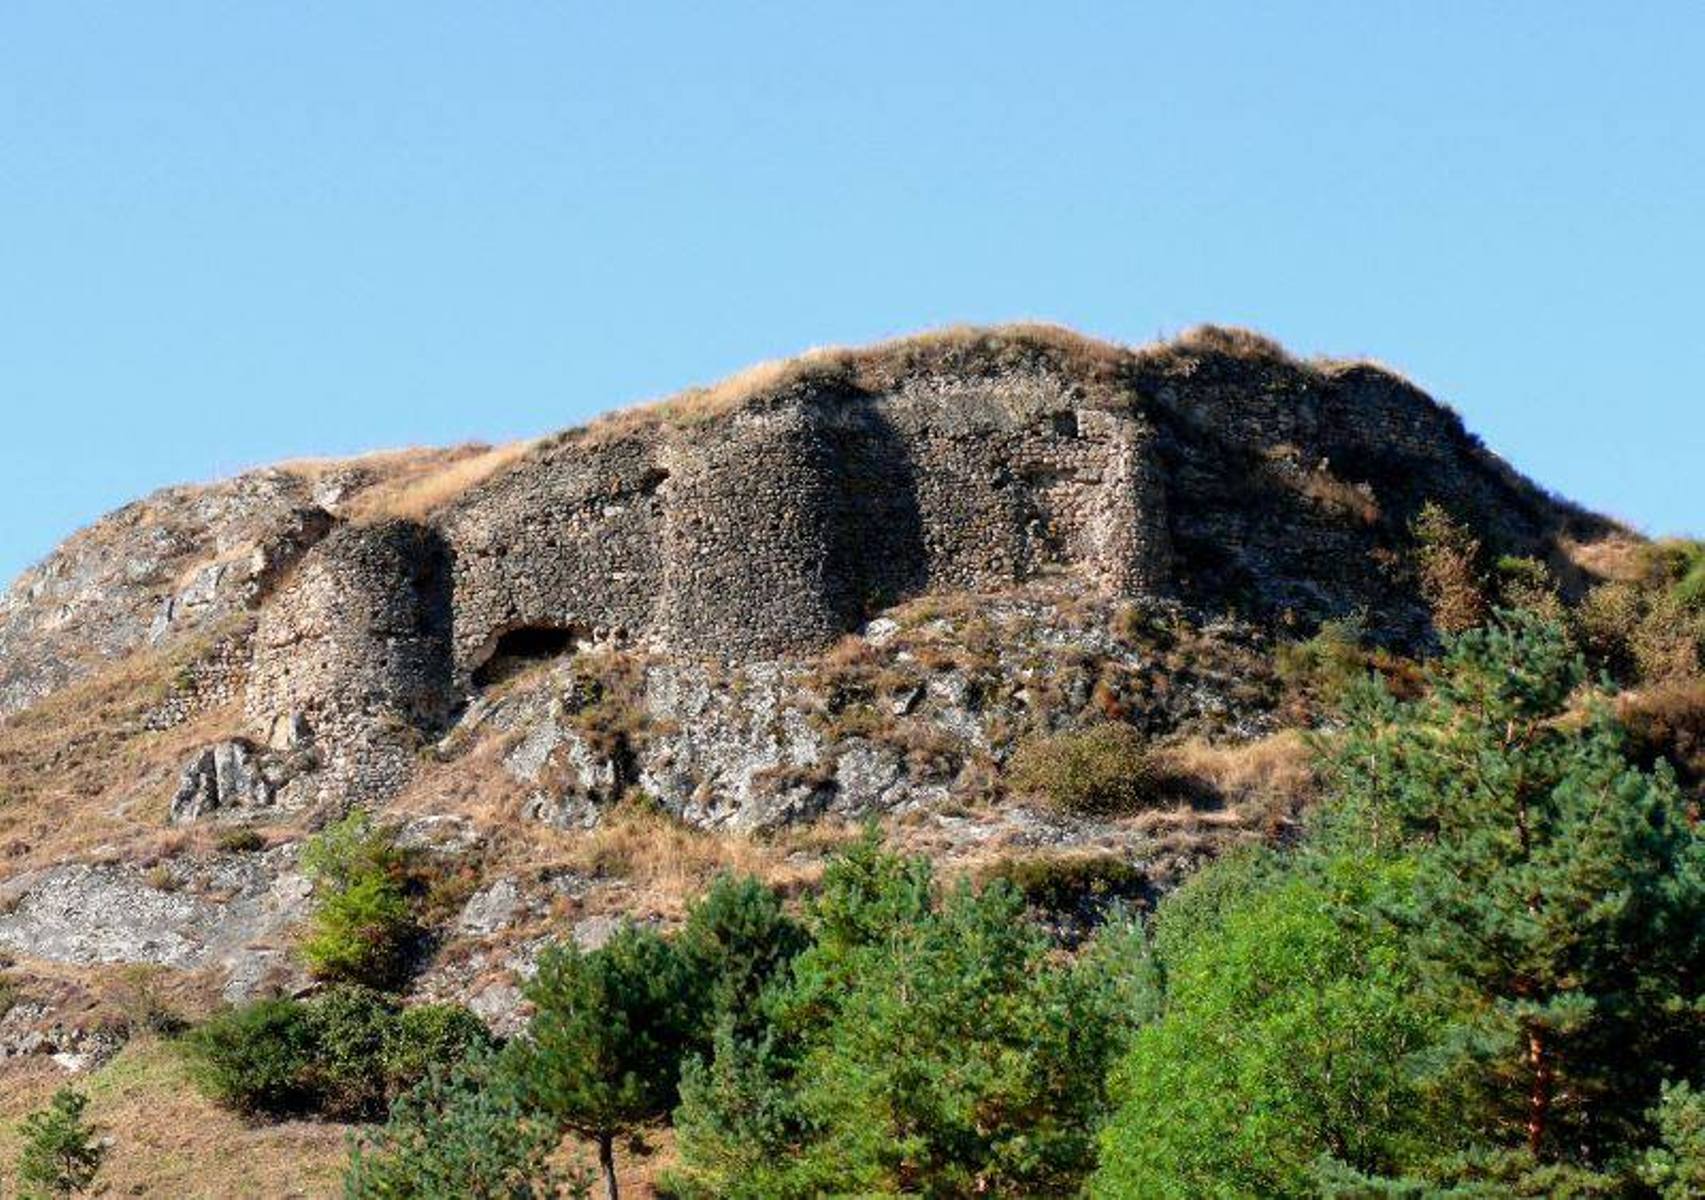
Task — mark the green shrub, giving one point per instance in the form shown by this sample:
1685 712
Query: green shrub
462 1132
350 850
344 1053
241 841
1327 665
430 1036
1676 1166
362 933
1100 771
1527 583
917 1050
737 940
350 1027
1278 1046
1067 883
257 1059
364 927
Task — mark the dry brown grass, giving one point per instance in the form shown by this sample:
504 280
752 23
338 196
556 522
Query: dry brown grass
417 494
1263 782
1621 557
1092 363
78 770
168 1140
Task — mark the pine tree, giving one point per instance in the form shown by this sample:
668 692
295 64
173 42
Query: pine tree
602 1056
61 1155
1558 904
460 1132
737 941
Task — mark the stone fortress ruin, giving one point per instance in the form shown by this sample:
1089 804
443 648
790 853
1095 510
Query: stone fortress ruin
768 518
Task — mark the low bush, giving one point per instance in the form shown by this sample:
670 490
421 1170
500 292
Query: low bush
1099 771
1668 722
1066 883
349 1027
462 1132
242 841
1327 665
1526 583
364 928
1448 560
362 934
429 1035
256 1058
343 1053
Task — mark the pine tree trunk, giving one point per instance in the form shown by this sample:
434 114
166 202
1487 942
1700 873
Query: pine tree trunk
607 1164
1539 1091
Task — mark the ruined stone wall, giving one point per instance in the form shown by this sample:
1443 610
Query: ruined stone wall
569 540
210 680
780 526
352 655
1364 423
776 526
749 562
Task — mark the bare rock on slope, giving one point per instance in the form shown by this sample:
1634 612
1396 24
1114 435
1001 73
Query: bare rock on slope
207 914
174 564
230 778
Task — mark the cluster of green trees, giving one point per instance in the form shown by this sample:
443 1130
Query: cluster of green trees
1479 974
902 1038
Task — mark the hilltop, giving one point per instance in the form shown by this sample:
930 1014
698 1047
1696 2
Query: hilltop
915 583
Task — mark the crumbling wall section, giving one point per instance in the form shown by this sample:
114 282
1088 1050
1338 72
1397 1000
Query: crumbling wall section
352 656
749 537
570 540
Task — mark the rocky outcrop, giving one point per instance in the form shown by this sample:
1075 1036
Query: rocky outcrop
169 567
211 913
1221 476
230 779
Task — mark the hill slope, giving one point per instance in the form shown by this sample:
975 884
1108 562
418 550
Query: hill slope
579 676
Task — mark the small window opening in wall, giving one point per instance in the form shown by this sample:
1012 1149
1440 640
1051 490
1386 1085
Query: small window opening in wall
514 650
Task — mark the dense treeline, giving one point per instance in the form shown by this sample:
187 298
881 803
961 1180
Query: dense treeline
1479 975
1478 972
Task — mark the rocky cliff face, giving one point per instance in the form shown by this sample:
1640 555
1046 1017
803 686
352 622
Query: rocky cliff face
844 587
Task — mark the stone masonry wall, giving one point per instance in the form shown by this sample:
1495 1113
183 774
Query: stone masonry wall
777 526
780 526
352 656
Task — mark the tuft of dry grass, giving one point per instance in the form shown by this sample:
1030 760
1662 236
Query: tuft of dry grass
669 862
1620 557
1265 782
416 494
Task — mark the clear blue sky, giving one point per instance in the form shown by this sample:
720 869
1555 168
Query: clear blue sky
233 233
